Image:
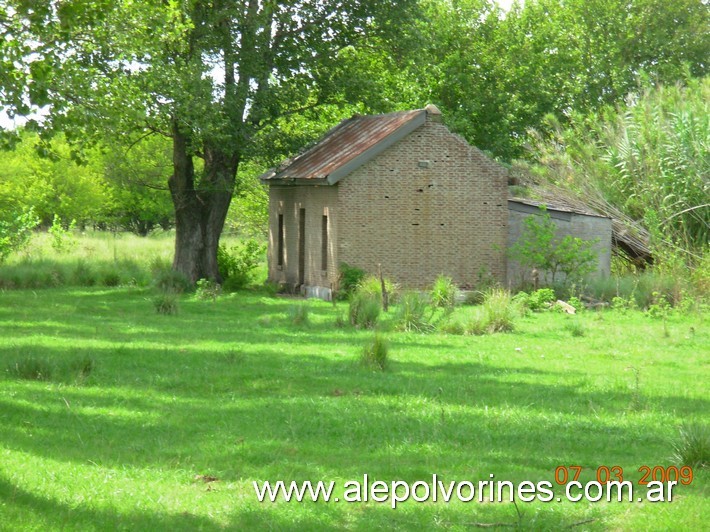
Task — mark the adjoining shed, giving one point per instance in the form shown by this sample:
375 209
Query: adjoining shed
401 193
569 220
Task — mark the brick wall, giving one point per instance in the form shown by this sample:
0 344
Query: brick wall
428 205
316 201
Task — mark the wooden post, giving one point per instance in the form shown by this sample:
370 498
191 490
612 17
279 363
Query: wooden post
385 295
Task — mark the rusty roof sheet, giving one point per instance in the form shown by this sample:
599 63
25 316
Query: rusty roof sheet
348 145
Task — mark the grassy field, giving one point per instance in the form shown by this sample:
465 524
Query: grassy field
143 421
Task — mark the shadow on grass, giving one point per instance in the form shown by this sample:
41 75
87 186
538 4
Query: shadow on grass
234 416
49 512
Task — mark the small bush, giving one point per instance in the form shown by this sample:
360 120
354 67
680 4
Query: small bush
575 328
499 311
374 354
443 293
169 280
541 299
166 303
411 313
237 265
373 285
692 448
207 289
350 277
299 314
364 309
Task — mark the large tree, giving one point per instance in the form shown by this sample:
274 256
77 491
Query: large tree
209 74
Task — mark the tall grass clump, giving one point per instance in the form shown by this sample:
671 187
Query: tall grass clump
364 309
692 447
499 311
169 281
374 354
443 293
412 313
299 314
371 284
166 303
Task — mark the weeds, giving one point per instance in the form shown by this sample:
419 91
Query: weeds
364 309
299 314
443 293
374 354
692 448
411 313
166 303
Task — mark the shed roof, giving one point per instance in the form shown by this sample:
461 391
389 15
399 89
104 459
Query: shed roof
348 146
558 205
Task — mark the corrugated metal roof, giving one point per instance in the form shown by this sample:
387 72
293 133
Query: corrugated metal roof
348 145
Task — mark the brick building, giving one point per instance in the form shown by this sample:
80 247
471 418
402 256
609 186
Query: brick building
397 190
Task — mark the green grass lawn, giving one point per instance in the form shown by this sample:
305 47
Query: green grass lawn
138 409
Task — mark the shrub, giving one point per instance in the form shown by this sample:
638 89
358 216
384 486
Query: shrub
692 447
373 285
166 303
539 247
16 231
298 314
364 309
62 239
541 299
411 313
443 293
350 277
237 266
169 280
374 354
499 311
207 289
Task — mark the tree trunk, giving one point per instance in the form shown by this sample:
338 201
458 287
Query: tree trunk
200 210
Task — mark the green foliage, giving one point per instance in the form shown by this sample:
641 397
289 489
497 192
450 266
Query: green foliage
350 278
166 303
692 447
575 328
15 232
443 293
169 281
646 158
299 314
537 301
539 247
364 309
499 311
63 240
238 264
207 289
411 313
31 367
374 354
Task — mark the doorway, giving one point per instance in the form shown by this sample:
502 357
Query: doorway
301 246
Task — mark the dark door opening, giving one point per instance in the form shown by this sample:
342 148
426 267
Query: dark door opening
301 246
